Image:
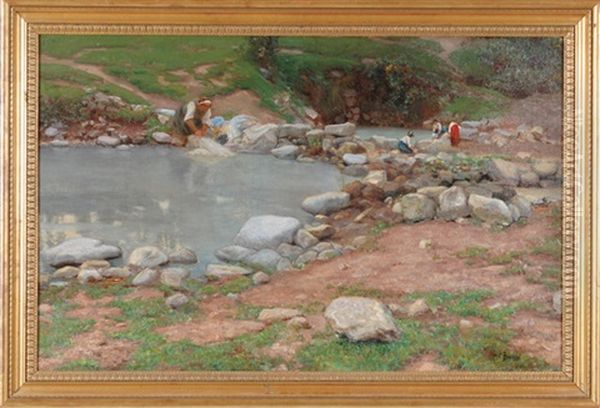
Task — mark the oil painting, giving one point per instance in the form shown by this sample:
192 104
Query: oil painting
320 204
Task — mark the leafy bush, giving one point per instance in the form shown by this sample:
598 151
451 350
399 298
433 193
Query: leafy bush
516 67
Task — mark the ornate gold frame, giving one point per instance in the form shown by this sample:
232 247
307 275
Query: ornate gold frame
578 384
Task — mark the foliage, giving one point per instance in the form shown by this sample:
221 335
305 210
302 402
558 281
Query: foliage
413 93
262 50
517 67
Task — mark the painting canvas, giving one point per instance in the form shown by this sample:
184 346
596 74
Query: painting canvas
321 204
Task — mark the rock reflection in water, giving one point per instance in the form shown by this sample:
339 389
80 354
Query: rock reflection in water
158 196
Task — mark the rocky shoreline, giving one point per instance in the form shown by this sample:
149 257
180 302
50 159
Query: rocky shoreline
439 182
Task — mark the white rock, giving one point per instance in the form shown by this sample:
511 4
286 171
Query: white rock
345 129
289 152
108 141
305 239
362 319
147 257
162 137
75 251
89 275
177 300
351 159
267 231
147 277
490 210
223 270
326 203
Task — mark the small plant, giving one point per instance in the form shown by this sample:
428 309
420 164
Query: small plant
380 227
514 270
84 364
505 258
473 252
359 289
549 246
248 312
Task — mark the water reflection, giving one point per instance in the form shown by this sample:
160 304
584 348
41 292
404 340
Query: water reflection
157 196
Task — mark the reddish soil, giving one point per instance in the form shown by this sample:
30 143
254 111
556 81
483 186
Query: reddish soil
96 344
399 266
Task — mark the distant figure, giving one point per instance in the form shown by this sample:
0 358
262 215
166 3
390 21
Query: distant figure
454 129
193 118
438 129
405 145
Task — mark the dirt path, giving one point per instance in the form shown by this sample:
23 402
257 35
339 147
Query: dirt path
158 101
448 44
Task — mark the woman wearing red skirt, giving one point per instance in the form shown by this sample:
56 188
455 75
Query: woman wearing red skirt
454 130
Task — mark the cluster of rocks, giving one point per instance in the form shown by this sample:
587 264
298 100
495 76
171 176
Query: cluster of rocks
108 125
85 260
491 131
274 243
451 192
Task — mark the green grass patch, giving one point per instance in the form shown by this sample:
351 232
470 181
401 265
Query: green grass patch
235 285
239 354
58 333
513 270
248 312
465 304
84 364
474 108
359 289
483 349
472 254
505 258
551 246
378 228
339 354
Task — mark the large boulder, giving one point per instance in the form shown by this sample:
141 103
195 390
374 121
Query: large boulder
326 203
490 210
354 159
545 168
293 130
344 130
260 138
453 203
266 259
147 277
267 231
289 152
504 172
233 253
417 207
183 256
174 277
76 251
147 257
238 124
108 141
523 204
362 319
